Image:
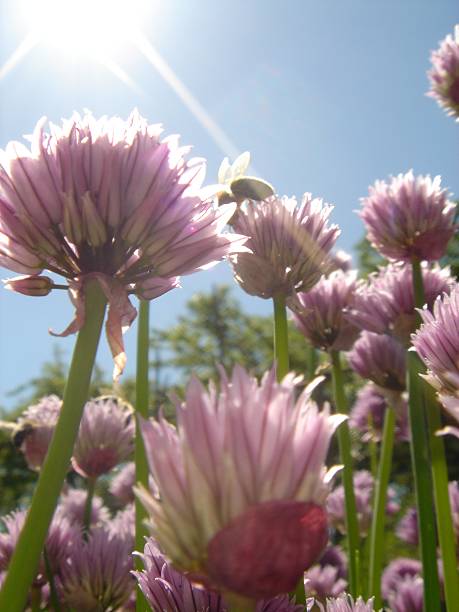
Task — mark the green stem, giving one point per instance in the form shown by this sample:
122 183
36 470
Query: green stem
141 465
379 508
24 562
35 599
280 336
445 527
54 599
344 441
372 447
90 488
421 461
312 361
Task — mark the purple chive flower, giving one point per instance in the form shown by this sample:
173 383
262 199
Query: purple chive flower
168 590
97 574
289 243
384 304
411 217
245 466
318 314
335 556
105 437
345 603
35 428
381 359
72 504
323 581
363 489
402 584
122 485
437 343
407 529
61 539
444 74
368 411
123 524
110 200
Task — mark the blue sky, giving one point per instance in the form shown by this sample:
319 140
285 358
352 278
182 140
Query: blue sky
328 97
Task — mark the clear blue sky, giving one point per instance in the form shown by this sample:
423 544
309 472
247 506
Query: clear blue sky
328 97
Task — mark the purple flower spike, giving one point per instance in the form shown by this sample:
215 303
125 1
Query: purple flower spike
107 199
72 505
122 485
246 465
437 343
411 217
345 603
384 304
290 244
105 437
363 489
367 414
97 574
35 428
318 314
444 74
402 585
381 359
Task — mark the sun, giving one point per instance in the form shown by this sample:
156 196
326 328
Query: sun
87 28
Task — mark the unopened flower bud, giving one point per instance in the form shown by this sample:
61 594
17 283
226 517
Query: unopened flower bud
37 286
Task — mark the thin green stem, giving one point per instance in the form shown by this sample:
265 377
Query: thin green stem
379 508
281 336
344 441
373 448
421 461
90 488
54 599
24 562
445 527
35 599
312 361
141 465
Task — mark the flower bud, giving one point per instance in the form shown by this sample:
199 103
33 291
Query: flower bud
37 286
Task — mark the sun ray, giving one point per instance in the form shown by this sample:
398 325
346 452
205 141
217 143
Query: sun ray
221 139
121 74
18 54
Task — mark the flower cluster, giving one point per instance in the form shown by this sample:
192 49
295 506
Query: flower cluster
444 74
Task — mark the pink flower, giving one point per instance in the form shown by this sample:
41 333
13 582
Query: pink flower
444 74
318 313
437 343
107 199
402 585
410 217
242 483
122 485
384 303
290 244
345 603
35 428
72 506
105 437
97 574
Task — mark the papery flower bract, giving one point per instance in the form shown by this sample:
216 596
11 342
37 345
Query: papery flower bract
411 217
108 199
346 603
367 413
61 539
122 484
384 303
290 243
318 313
35 428
402 585
105 437
381 359
242 483
72 507
97 574
363 489
444 74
